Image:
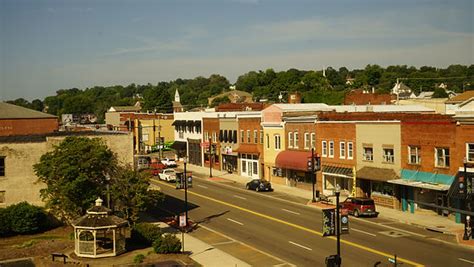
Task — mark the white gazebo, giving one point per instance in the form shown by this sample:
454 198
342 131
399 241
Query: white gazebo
99 234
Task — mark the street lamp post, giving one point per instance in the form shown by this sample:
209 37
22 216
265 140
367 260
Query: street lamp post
465 235
313 178
338 229
210 157
185 193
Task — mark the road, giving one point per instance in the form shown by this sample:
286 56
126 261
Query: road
285 228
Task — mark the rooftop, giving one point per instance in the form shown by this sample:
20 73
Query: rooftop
10 111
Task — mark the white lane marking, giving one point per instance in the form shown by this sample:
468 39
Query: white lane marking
461 259
234 221
389 227
360 231
301 246
294 212
202 186
239 197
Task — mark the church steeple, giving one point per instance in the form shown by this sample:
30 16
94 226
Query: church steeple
176 97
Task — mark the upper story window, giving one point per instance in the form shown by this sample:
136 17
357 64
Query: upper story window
324 147
313 140
306 141
388 155
331 149
350 150
214 137
368 153
2 166
442 157
181 135
470 152
255 136
248 136
234 137
290 139
414 156
342 150
277 142
268 141
295 144
261 137
206 136
242 138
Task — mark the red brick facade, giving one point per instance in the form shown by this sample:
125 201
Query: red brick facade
210 129
358 97
9 127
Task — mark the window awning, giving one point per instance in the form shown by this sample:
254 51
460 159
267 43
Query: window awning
427 180
179 146
248 148
293 160
178 123
337 171
376 174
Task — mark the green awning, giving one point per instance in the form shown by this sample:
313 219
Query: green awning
427 177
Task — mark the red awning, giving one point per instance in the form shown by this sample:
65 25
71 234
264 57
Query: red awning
293 160
248 148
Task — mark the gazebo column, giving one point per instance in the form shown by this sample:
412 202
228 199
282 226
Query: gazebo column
115 252
95 242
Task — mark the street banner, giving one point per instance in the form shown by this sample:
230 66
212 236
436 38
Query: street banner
344 221
329 222
182 220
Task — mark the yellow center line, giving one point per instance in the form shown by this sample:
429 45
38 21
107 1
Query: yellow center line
375 251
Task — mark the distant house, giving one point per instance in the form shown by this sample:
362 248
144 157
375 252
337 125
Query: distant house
456 102
363 97
112 116
401 91
235 96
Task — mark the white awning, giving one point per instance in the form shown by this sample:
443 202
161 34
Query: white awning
438 187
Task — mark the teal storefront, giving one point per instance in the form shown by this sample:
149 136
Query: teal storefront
423 190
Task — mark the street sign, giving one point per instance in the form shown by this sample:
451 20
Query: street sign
461 185
329 222
182 220
344 224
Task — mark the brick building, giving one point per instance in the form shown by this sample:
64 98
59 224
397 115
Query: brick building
16 120
210 130
250 145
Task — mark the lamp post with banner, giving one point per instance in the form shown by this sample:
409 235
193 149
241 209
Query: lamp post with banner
313 166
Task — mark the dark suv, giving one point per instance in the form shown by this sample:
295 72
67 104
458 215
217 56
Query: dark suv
259 185
360 206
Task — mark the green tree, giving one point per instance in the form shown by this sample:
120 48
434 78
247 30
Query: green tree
440 93
219 100
75 175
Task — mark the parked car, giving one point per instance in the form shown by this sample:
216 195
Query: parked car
259 185
168 175
156 168
170 163
359 206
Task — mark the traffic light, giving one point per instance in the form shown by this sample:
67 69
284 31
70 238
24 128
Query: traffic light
461 184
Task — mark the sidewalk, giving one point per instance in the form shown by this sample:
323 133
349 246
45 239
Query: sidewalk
432 222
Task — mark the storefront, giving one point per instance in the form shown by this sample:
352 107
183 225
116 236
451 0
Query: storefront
229 159
195 152
422 190
372 183
335 175
294 165
249 161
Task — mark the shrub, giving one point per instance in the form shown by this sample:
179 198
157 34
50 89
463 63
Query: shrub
138 258
26 218
22 218
168 243
145 233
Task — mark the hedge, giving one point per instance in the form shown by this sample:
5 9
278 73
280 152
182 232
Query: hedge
22 218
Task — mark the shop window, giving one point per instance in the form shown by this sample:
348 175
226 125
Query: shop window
388 156
290 139
244 166
342 150
442 157
255 167
350 150
414 155
382 188
368 153
324 146
470 152
277 172
331 149
2 166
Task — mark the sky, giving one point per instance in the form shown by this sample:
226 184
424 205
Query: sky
47 45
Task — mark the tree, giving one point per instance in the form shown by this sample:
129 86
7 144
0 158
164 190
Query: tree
440 93
75 175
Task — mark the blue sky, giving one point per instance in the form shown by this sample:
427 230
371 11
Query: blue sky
51 45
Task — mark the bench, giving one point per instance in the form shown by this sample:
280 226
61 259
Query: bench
59 255
324 199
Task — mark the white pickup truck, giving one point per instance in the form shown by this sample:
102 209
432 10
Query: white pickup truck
170 163
168 175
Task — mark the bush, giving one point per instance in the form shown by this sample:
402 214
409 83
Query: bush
168 243
145 233
22 218
138 258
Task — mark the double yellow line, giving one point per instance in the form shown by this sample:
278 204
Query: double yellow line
375 251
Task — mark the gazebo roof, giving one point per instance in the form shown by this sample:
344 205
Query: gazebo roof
99 217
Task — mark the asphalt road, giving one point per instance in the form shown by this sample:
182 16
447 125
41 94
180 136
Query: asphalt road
285 228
